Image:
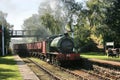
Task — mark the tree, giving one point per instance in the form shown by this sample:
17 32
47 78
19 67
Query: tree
34 23
3 23
71 10
103 16
50 23
52 16
113 21
96 14
78 15
48 20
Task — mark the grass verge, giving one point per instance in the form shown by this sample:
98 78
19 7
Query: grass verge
97 55
9 69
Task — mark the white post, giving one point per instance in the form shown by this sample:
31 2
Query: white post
3 52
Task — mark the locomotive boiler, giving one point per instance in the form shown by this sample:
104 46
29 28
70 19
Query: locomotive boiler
62 43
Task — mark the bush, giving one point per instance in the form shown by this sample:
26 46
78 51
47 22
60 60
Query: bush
9 51
90 47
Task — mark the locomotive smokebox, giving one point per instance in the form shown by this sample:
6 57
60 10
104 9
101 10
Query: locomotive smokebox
64 44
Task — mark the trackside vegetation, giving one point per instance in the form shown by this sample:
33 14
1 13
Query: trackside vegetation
9 69
98 55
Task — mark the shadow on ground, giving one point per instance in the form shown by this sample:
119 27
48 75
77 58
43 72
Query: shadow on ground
8 71
7 61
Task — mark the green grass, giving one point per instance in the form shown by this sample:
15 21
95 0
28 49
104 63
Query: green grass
96 55
9 69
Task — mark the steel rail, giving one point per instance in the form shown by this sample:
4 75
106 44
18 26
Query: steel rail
47 71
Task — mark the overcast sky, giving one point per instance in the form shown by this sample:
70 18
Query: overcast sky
19 10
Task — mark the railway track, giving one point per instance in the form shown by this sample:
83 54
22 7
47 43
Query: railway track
60 73
41 74
91 75
100 72
68 74
55 77
86 75
111 74
51 74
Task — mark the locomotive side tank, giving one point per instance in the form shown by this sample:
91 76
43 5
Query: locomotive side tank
64 44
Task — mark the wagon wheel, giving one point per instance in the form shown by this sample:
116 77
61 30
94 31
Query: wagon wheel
53 60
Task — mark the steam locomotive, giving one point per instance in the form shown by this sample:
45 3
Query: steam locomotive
55 49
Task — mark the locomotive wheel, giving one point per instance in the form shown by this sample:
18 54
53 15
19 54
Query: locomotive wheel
54 60
57 63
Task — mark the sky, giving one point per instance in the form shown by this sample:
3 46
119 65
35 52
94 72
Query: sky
19 10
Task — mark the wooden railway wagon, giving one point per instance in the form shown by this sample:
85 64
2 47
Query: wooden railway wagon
56 50
21 49
34 49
